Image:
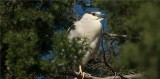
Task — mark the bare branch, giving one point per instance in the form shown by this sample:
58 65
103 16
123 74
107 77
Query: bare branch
114 35
88 76
106 63
130 76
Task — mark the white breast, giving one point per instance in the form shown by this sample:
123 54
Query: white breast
90 29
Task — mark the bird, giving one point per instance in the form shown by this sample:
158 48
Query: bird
89 27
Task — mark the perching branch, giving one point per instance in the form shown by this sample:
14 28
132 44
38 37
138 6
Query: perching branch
87 76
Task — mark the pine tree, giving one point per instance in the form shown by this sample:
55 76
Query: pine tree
138 20
27 31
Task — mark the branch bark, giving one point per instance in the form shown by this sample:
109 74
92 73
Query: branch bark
130 76
104 56
87 76
114 35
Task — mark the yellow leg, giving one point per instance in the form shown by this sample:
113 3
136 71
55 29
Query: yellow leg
80 71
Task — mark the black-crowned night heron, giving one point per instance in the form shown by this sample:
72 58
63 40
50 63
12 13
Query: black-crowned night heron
89 27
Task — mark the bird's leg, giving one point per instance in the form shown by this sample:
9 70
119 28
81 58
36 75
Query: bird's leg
80 71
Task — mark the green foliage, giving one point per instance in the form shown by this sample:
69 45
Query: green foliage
27 31
22 53
119 12
146 52
67 52
139 20
63 11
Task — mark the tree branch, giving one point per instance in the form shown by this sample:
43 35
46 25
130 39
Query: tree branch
114 35
87 76
104 57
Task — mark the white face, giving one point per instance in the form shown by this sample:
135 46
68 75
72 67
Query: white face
93 16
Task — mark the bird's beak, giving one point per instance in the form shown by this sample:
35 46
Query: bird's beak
101 15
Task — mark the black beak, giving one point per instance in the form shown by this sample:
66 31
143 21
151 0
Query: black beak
101 15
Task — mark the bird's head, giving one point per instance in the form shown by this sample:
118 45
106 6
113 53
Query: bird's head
95 15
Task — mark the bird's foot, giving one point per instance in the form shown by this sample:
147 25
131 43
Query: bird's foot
83 74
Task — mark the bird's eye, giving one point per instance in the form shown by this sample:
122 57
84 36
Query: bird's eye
93 14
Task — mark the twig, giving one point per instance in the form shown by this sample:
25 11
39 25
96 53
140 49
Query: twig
104 57
114 35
